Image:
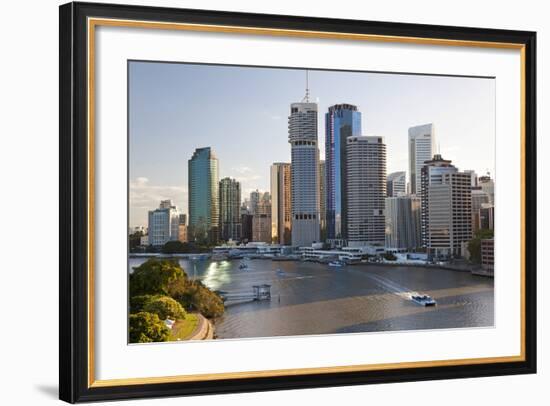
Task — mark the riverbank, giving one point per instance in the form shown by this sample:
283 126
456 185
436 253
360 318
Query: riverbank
194 327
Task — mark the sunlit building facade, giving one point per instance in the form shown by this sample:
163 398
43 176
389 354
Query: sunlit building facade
230 210
281 210
421 149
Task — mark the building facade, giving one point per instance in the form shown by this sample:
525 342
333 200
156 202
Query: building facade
261 221
281 210
403 223
479 198
488 254
487 185
366 189
163 224
323 200
396 184
421 149
230 210
203 191
304 186
446 208
341 121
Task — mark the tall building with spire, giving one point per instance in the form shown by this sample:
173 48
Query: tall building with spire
305 199
203 190
341 121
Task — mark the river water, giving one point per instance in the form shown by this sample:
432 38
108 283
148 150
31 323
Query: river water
312 298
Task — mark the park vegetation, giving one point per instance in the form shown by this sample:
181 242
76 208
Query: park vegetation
474 245
160 290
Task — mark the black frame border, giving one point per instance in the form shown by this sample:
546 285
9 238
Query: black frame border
73 197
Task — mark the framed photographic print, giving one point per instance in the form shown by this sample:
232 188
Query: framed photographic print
257 202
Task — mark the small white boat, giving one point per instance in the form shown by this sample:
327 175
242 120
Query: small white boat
423 300
243 266
336 263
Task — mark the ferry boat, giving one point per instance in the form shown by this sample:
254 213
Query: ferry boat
336 263
423 300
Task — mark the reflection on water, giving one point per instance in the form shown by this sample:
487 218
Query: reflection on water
311 298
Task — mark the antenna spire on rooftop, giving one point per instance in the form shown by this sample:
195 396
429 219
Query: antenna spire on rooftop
306 97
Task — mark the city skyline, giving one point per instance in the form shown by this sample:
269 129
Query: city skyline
157 165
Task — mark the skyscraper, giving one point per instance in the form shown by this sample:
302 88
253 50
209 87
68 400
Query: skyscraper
341 121
487 185
421 149
281 211
230 210
446 208
323 200
261 220
366 189
254 201
163 224
396 184
479 198
203 190
402 223
304 189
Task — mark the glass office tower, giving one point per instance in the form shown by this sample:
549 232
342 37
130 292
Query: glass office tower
341 121
204 209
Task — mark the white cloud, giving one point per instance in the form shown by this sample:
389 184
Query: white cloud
145 196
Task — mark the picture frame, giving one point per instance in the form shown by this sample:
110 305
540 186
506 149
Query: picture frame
79 22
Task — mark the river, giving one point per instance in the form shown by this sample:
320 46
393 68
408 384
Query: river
312 298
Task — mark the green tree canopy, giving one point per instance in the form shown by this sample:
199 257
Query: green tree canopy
147 328
165 307
196 296
154 276
474 245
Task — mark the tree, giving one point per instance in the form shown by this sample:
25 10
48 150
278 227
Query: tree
194 295
154 276
389 256
175 247
165 307
474 245
134 240
147 328
138 303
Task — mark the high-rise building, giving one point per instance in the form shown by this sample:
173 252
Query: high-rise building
182 228
402 223
487 216
396 184
487 185
163 224
230 210
341 121
304 189
254 201
246 224
261 220
421 148
366 189
479 198
446 208
281 210
203 190
323 200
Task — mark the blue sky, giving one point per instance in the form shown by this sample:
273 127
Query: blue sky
241 112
